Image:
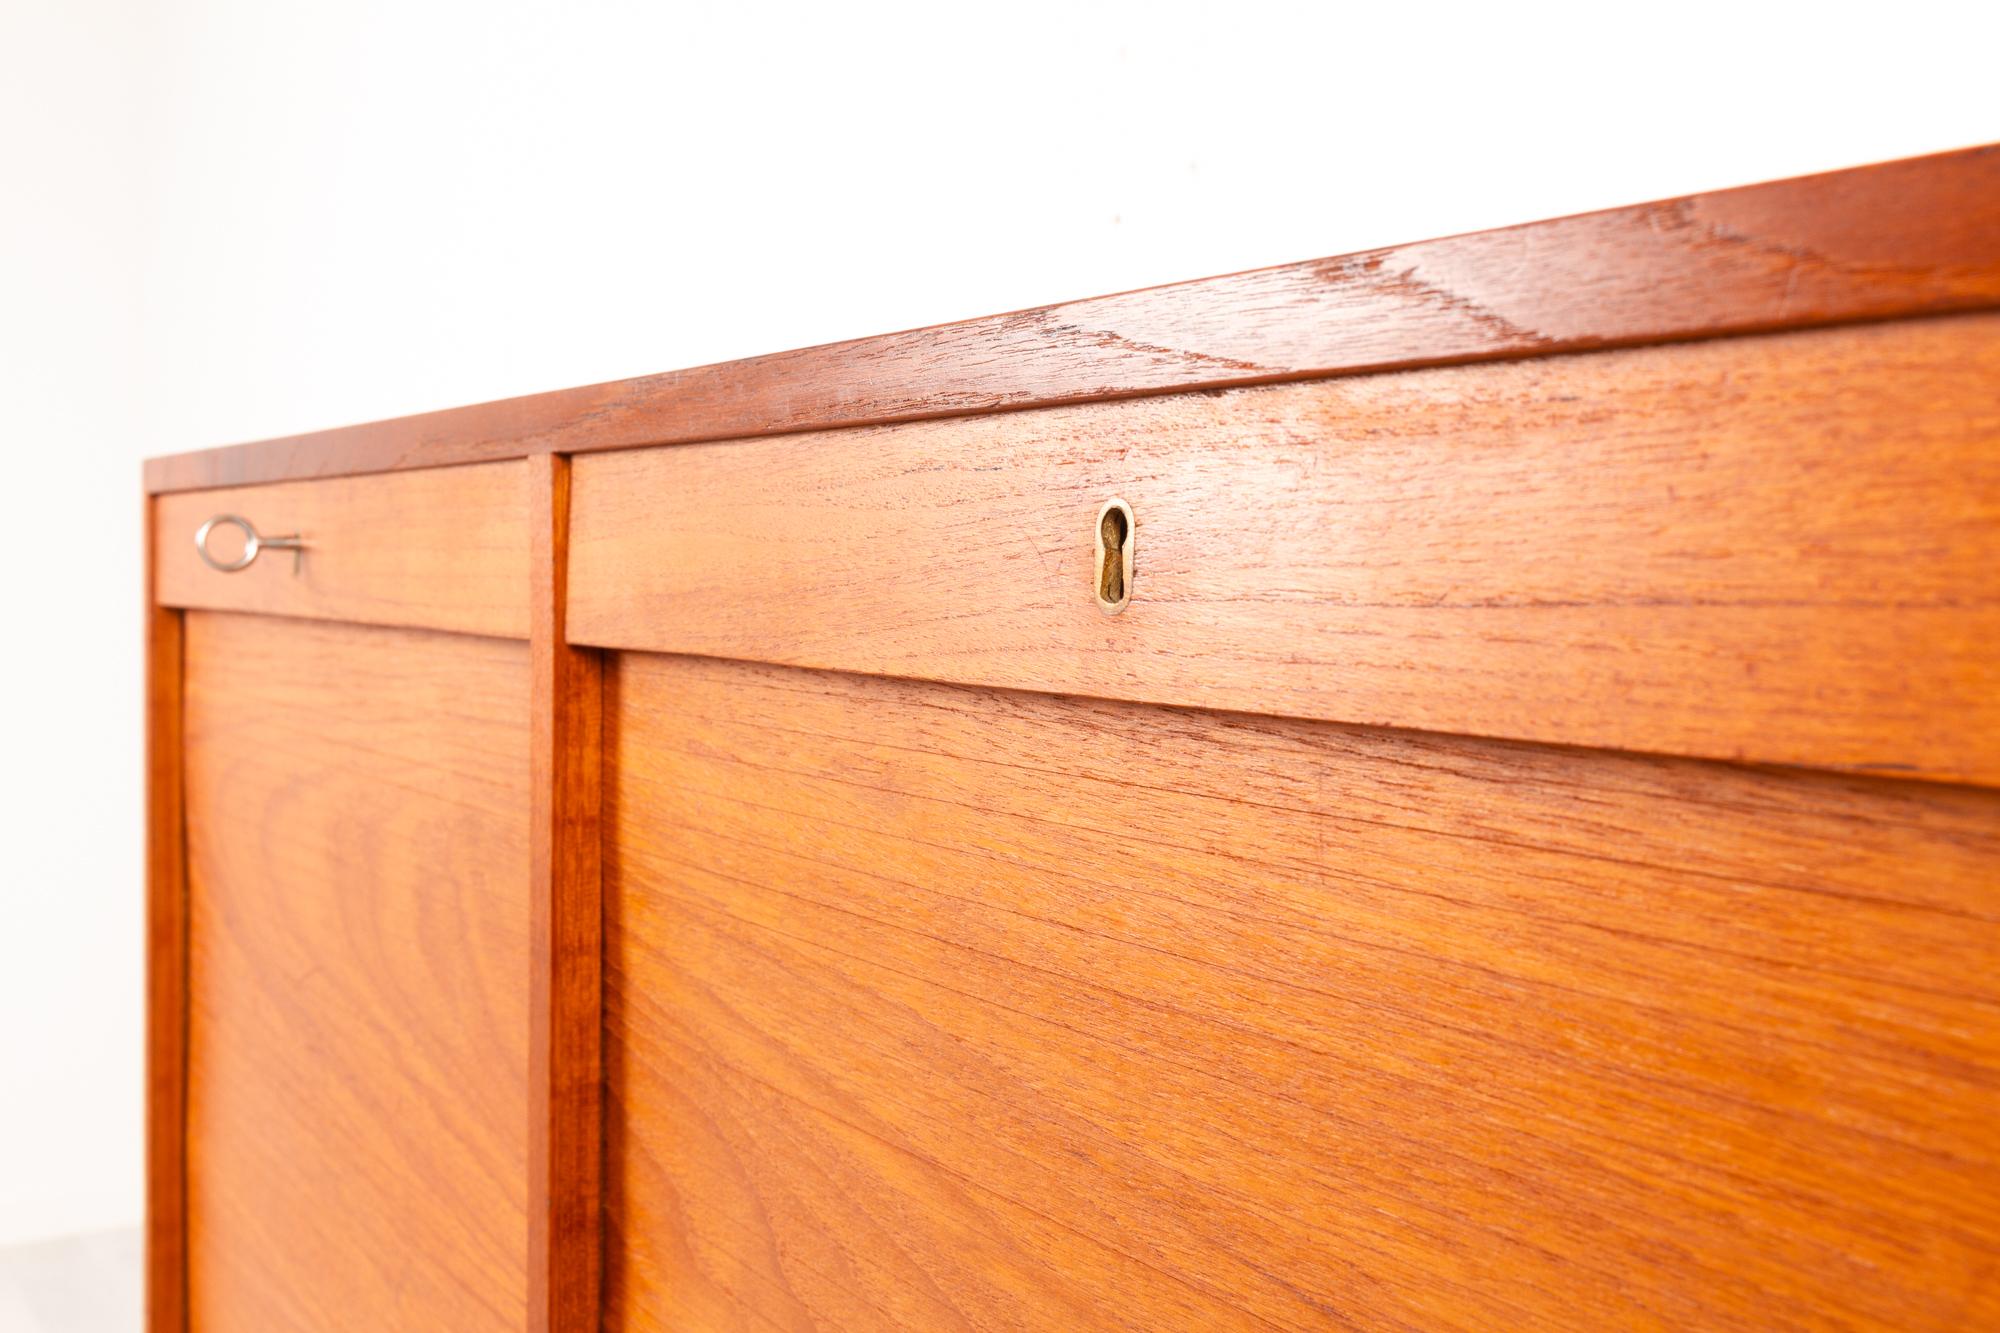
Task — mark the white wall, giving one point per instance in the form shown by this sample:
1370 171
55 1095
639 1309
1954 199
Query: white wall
70 587
226 219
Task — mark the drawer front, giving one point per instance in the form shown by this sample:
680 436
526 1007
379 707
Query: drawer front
440 549
1775 549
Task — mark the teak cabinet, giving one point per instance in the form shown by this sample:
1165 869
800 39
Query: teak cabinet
696 853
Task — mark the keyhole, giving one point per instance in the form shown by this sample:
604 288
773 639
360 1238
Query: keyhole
1114 556
1111 532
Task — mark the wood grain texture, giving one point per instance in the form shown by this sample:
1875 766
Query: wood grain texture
166 970
940 1008
446 549
1903 238
358 814
1781 550
565 1017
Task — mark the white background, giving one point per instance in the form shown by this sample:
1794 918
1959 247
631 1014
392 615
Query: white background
227 219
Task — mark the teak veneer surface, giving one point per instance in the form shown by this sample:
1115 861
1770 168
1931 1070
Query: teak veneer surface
1781 549
166 969
783 886
565 1074
445 549
932 1007
1901 238
357 804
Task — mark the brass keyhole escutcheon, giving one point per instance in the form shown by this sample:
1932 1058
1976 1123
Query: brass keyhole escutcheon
1115 532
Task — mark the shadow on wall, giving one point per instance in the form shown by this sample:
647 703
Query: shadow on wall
74 1284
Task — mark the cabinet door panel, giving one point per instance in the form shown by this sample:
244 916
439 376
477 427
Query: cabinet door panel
358 933
931 1007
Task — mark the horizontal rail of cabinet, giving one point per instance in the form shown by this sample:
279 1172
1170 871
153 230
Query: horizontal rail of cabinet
1776 550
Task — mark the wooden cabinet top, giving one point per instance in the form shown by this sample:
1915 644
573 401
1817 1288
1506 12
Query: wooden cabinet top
1913 237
